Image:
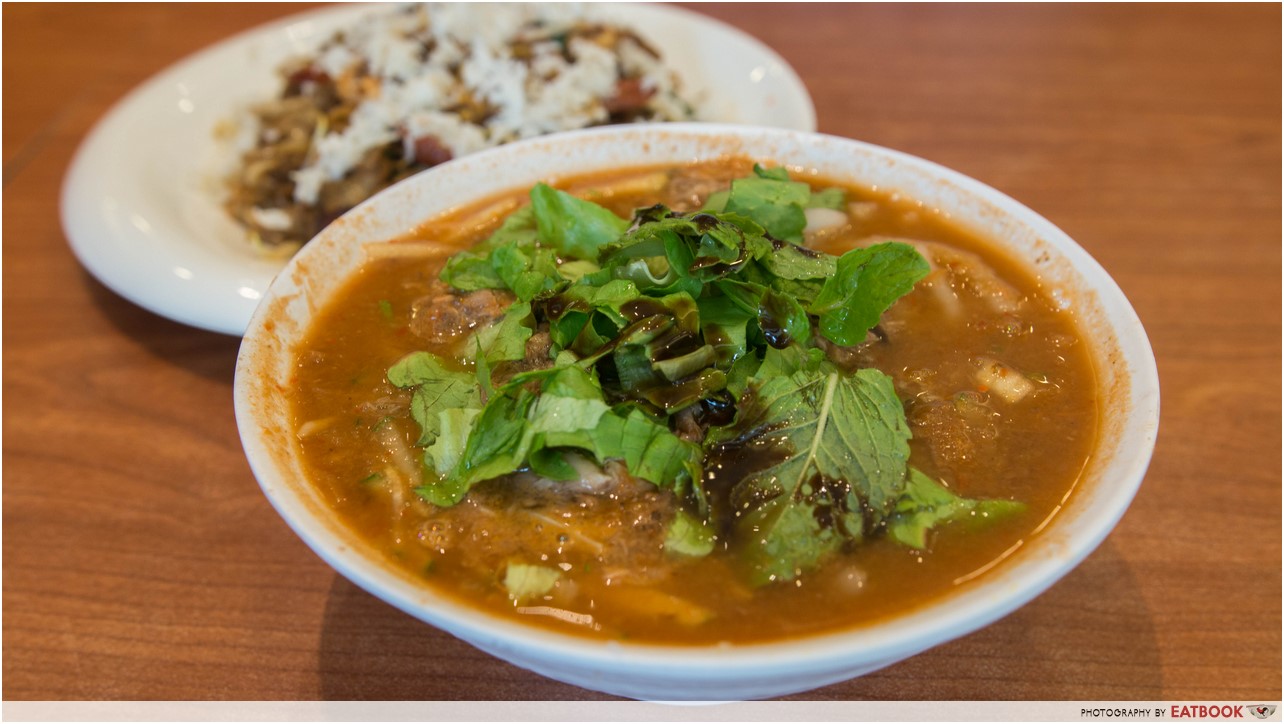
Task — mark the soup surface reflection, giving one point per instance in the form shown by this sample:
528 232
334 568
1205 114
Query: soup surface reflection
995 387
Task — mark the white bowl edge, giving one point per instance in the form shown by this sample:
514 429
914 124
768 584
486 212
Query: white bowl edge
743 671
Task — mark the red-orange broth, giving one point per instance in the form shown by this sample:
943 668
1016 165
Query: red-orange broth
618 582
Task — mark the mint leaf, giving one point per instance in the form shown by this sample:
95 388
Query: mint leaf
675 369
526 273
831 198
773 201
792 540
841 448
724 325
689 391
573 226
689 536
788 361
866 283
791 261
927 504
783 320
674 253
608 298
742 370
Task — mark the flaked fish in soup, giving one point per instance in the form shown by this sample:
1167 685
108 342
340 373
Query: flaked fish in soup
694 404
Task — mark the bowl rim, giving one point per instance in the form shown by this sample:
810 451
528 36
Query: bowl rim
902 635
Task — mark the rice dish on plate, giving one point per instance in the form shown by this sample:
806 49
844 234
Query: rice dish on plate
407 89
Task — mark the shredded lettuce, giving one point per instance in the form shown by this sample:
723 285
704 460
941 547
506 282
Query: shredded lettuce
436 387
505 340
927 504
526 582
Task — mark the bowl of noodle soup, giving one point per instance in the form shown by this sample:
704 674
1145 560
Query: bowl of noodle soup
610 406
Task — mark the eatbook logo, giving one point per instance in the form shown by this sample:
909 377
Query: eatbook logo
1262 711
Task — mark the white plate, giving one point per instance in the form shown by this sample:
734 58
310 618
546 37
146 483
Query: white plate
141 205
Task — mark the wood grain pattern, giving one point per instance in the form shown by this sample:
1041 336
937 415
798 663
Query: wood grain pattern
142 562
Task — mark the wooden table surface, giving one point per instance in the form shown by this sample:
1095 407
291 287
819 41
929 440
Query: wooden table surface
142 562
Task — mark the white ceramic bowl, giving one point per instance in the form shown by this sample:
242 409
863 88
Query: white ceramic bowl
1128 380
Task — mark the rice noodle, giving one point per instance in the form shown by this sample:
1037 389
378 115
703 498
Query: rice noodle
407 250
311 427
938 282
953 269
569 529
650 183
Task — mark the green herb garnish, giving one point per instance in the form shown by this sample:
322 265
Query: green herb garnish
831 453
926 504
720 312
